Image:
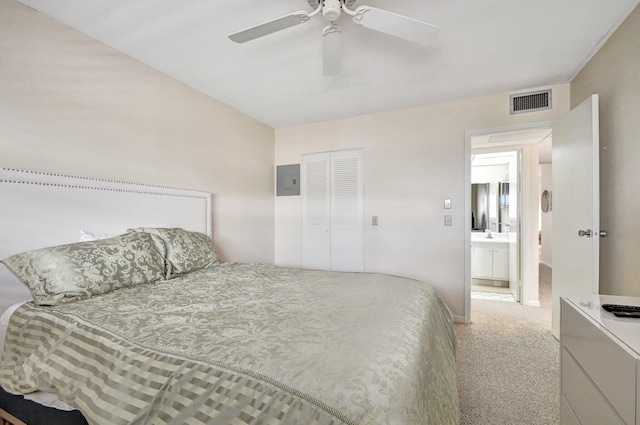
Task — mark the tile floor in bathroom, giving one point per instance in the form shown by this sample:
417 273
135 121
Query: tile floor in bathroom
493 296
494 293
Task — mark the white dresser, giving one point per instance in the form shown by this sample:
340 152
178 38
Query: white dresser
599 363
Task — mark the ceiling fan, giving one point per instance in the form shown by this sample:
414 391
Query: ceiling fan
365 16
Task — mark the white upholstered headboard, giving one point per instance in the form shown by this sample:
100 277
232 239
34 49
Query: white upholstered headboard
44 209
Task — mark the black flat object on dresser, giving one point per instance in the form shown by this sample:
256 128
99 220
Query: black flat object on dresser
620 310
620 307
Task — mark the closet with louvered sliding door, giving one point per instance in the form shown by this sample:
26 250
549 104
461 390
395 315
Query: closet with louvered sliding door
333 211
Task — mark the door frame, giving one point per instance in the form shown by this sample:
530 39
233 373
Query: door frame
467 212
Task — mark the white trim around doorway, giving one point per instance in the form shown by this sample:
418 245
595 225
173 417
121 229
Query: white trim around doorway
467 193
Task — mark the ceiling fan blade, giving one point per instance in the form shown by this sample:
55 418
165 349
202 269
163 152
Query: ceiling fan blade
331 50
291 20
396 25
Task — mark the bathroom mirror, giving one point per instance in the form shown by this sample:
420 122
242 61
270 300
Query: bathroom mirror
490 207
490 174
479 206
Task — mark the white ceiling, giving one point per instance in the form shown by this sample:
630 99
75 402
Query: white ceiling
540 136
484 47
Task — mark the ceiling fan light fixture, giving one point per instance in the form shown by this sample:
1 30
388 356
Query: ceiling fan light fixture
365 16
331 9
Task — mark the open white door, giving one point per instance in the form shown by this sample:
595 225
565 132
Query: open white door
576 205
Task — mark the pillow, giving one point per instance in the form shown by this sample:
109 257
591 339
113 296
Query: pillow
87 236
185 251
71 272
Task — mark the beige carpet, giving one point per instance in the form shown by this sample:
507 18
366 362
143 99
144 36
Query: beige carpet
508 365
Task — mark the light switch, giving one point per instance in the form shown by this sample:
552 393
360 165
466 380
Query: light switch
447 203
447 220
374 220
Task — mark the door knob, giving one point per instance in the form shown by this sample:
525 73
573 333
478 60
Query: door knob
586 233
603 233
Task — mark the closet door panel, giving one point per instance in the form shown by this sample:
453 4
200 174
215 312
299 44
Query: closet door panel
316 212
347 212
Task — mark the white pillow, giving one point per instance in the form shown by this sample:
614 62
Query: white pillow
86 236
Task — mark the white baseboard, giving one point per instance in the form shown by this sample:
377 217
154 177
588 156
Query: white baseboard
532 303
458 319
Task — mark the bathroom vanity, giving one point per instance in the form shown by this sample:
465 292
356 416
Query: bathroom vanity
489 257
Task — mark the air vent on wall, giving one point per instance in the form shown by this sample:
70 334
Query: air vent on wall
529 102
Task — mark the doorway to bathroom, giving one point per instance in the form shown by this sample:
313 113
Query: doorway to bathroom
495 225
514 193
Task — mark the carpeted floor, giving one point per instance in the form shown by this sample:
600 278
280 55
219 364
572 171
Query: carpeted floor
508 362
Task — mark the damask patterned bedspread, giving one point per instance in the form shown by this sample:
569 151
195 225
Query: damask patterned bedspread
244 344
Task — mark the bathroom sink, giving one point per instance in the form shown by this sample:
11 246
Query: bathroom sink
492 237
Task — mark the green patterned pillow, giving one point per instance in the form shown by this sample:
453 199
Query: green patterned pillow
71 272
185 251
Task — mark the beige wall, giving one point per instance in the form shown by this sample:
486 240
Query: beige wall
614 74
413 159
69 104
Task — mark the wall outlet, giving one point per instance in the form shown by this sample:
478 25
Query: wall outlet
447 220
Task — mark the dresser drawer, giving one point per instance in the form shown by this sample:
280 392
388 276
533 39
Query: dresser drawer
583 398
637 391
609 366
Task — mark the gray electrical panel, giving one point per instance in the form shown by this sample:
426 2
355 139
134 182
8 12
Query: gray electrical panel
288 180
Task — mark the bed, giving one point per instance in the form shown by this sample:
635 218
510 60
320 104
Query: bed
182 337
